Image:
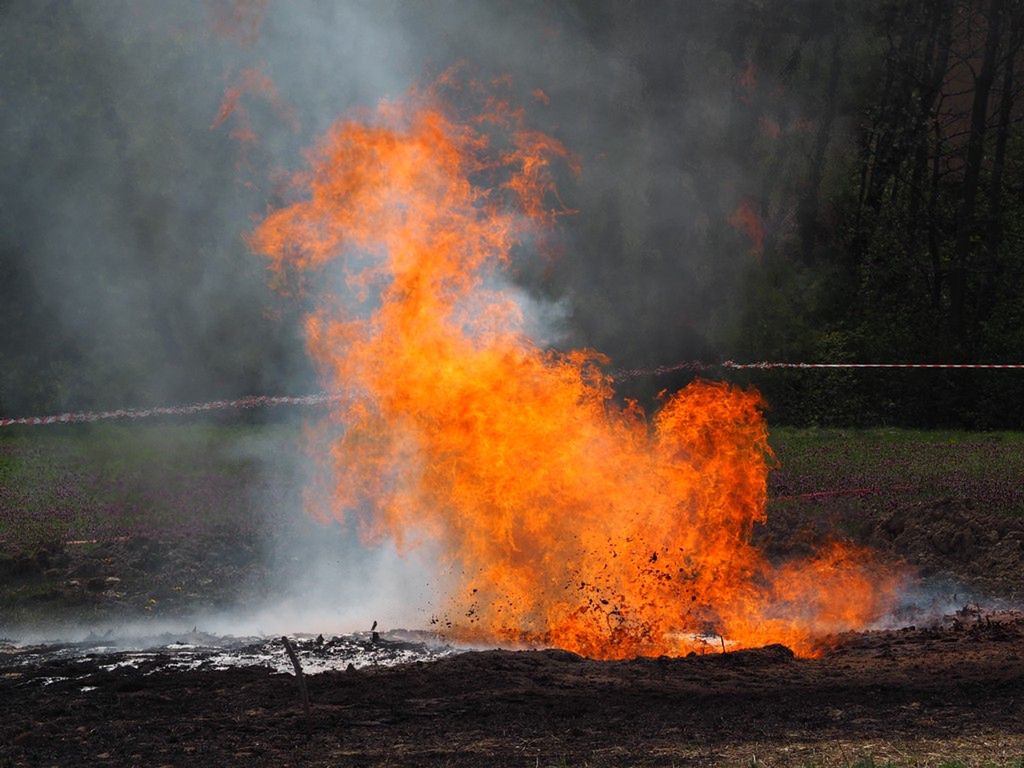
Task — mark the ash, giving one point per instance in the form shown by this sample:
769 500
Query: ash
203 651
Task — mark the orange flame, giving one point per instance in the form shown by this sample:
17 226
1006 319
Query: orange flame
255 82
566 518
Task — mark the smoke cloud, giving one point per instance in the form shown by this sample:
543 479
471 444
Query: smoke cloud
127 278
139 141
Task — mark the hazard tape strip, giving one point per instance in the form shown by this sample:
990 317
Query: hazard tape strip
262 401
694 365
256 401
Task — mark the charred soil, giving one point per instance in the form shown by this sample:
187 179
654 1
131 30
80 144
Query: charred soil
887 694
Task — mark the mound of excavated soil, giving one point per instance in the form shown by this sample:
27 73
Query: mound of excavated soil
980 547
947 541
129 578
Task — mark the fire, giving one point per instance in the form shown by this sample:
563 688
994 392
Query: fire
567 518
251 81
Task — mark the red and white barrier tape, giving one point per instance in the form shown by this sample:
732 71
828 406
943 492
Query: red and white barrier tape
693 365
260 401
256 401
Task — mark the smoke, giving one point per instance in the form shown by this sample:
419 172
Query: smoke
122 216
123 210
937 600
125 276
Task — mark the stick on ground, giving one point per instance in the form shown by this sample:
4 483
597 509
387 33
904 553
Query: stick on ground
300 678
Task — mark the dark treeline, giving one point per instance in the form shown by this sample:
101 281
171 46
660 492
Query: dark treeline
905 242
793 180
882 151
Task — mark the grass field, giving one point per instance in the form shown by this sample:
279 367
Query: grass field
986 467
86 482
95 481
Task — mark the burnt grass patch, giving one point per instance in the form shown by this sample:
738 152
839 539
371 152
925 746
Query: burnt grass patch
119 524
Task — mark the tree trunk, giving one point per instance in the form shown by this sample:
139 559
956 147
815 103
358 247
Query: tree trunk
995 197
808 210
934 249
972 176
936 61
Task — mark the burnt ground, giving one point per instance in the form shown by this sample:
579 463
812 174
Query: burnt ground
920 696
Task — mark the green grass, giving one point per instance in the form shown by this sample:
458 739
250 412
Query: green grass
85 481
912 465
88 481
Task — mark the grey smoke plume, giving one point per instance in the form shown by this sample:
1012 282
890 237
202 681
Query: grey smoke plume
126 189
126 278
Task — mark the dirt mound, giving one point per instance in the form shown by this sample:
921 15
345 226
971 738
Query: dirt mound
128 577
951 537
949 541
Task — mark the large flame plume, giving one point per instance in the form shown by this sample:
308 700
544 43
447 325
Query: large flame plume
566 518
